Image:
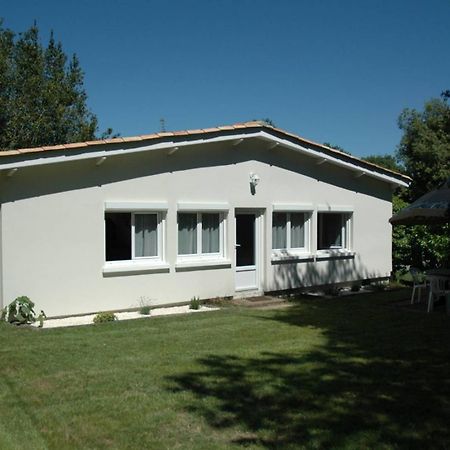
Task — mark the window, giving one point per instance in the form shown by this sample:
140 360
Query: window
333 231
200 234
290 230
130 236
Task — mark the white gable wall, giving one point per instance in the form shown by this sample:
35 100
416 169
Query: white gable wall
53 224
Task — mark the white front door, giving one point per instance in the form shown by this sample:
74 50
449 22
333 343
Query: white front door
246 251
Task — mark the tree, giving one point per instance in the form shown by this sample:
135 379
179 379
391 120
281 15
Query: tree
424 153
424 148
42 95
387 161
336 147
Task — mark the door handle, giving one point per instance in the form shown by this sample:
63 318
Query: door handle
237 245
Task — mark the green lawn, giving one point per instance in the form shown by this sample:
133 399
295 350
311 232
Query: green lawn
341 373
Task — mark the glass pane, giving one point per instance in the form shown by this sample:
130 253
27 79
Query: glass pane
279 230
210 233
187 233
245 240
118 236
330 230
145 235
297 230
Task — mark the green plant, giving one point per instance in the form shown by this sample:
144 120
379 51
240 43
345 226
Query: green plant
105 317
144 306
40 318
144 310
356 287
20 311
195 303
3 314
332 290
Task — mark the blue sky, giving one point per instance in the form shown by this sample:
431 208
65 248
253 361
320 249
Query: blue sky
338 71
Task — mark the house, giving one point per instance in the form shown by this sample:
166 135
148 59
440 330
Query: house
226 211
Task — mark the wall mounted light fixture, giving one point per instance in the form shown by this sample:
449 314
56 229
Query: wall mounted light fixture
254 180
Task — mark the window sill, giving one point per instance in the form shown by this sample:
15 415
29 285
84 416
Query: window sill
193 264
334 254
135 267
281 257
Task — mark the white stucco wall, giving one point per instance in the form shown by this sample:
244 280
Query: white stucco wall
52 224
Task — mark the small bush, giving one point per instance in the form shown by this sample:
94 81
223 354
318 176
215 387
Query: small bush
144 310
355 288
105 317
20 311
40 318
195 303
332 290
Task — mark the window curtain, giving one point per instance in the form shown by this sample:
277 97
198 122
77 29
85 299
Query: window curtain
297 230
279 230
187 233
145 235
210 233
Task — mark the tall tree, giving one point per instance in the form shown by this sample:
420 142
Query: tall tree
424 153
387 161
42 96
424 148
336 147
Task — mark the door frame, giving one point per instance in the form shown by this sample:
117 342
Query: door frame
259 246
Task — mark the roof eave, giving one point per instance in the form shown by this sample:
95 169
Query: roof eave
270 134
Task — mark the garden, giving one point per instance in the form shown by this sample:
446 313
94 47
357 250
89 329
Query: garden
340 372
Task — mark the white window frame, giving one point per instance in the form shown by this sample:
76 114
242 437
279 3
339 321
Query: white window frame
346 231
138 263
199 255
294 251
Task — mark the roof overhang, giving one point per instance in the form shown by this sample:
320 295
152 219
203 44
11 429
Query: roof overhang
273 140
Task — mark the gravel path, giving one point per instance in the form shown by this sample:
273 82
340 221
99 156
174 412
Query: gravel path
88 319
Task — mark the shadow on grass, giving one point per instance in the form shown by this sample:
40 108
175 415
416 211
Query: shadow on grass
381 380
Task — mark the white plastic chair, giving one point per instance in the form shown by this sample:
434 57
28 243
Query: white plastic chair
419 282
437 289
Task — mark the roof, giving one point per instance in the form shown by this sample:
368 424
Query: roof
24 153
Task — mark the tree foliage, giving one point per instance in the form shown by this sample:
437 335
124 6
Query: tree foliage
42 95
387 161
424 155
336 147
422 246
425 146
424 152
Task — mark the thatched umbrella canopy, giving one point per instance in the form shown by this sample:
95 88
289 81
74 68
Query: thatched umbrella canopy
431 208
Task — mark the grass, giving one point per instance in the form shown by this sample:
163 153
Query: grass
340 373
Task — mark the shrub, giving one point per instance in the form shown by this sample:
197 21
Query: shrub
144 310
195 303
105 317
144 306
355 288
20 311
40 318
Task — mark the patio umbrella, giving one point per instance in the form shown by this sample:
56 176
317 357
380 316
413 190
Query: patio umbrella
431 208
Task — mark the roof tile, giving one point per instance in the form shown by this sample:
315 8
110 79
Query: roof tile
197 131
132 139
30 150
76 145
9 152
114 140
237 126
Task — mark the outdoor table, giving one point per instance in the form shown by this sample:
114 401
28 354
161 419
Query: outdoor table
440 277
